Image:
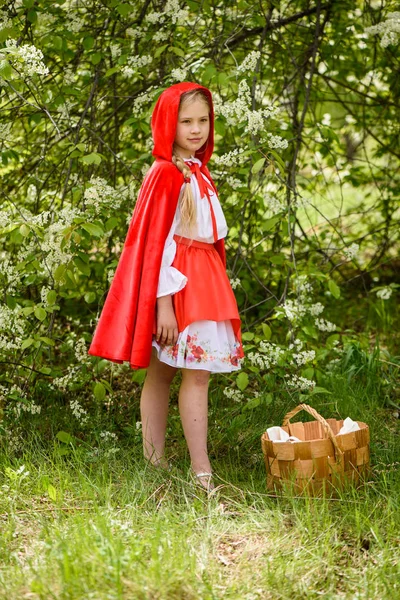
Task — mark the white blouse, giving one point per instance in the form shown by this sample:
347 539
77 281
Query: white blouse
171 280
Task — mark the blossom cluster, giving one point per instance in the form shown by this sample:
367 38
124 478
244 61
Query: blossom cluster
27 56
390 28
384 293
135 63
234 283
100 194
172 11
250 62
12 328
301 383
178 74
351 251
324 325
238 111
232 394
234 157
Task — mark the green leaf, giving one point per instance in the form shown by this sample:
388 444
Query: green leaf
139 376
90 159
88 42
32 16
93 229
24 230
278 159
47 340
82 266
310 331
45 370
277 259
52 492
26 343
99 391
160 50
334 288
111 223
256 168
268 399
59 272
319 390
266 331
308 373
270 223
40 313
64 437
247 336
5 69
111 71
96 58
242 381
252 404
90 297
177 51
51 297
124 9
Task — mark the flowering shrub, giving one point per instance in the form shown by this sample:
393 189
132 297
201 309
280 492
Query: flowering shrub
78 82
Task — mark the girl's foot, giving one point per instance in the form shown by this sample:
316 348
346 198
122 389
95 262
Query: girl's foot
161 463
204 479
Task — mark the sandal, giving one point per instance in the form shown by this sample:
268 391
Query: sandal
210 485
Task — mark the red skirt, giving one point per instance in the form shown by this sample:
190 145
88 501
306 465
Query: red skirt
208 294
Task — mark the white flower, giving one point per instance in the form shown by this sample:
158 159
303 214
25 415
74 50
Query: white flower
178 74
389 28
250 62
301 358
351 251
135 63
26 56
324 325
233 394
234 283
384 293
316 309
302 383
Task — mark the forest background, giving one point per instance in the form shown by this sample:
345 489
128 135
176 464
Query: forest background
306 163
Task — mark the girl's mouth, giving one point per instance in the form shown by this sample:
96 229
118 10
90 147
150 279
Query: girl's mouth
195 139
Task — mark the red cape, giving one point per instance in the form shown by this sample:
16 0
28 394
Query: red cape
125 327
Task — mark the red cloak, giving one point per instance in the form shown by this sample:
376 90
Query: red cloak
127 321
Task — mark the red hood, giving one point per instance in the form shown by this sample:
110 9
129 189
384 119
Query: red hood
165 118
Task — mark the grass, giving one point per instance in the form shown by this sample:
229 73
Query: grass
102 524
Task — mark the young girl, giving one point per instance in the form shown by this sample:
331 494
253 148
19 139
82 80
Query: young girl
172 275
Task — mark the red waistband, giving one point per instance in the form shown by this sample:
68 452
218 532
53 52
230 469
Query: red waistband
189 242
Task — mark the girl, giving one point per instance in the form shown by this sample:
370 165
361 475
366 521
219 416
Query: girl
172 276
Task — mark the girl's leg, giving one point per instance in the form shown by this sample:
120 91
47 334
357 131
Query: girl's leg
193 408
154 408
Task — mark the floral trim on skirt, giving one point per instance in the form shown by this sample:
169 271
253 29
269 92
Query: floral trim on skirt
209 345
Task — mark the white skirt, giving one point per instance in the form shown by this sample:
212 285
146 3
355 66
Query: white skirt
209 345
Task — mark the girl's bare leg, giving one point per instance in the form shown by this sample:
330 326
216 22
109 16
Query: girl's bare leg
154 408
193 408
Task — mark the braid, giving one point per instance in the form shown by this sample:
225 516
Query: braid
187 203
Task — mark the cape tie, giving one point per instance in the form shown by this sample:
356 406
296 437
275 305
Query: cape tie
204 191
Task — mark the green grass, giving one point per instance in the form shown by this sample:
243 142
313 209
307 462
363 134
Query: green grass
112 527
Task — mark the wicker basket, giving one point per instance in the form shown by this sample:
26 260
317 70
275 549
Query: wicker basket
323 461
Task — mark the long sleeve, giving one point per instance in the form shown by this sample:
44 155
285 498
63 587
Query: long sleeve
171 280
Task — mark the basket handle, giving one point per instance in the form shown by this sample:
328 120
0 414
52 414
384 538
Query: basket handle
317 416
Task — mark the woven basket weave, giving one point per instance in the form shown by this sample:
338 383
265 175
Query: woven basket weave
322 461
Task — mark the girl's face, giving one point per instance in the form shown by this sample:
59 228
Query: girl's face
192 128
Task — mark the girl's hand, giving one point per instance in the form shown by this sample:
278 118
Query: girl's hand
167 325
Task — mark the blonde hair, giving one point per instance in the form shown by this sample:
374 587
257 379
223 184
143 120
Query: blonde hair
186 200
